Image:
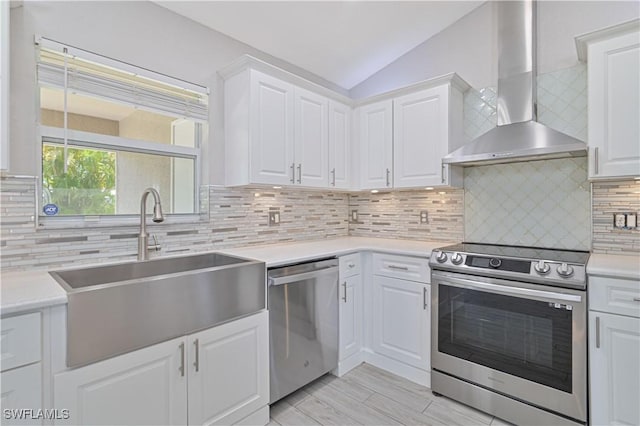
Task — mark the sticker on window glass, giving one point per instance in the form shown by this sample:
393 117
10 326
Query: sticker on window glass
50 209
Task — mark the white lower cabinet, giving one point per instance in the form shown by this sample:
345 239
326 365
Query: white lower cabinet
350 313
401 321
229 371
614 351
22 389
216 376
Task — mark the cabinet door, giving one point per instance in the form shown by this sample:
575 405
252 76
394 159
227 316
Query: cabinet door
229 371
22 389
145 387
614 107
339 145
420 137
376 145
401 324
350 315
614 351
311 139
271 130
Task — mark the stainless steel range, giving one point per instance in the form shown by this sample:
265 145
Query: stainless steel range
509 331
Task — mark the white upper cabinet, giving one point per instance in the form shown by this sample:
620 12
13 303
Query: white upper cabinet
339 145
403 138
376 145
277 131
420 126
311 139
271 130
613 56
4 85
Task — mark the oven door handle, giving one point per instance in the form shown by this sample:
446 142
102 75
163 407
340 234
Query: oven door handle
510 291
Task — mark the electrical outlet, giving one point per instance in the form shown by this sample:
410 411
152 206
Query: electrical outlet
632 220
424 217
619 220
354 216
274 218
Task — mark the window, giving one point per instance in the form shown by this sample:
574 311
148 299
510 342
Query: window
109 130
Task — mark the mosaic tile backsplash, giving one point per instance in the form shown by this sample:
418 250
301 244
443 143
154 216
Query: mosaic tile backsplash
610 198
537 203
238 217
396 214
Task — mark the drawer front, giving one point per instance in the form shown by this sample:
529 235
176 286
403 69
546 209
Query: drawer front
402 267
350 265
21 337
614 295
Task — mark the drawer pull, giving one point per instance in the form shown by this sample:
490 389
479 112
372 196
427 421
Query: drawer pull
351 265
398 268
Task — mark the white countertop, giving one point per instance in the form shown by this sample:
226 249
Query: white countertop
614 265
23 291
282 254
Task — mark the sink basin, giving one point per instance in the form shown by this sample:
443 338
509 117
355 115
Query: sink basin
116 309
82 278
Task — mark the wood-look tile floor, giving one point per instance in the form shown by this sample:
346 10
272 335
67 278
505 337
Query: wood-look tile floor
370 396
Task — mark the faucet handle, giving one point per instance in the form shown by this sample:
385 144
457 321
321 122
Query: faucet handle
156 245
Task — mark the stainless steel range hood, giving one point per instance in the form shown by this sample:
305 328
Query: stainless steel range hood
518 136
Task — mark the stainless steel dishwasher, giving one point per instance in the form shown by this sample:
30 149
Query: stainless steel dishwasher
303 324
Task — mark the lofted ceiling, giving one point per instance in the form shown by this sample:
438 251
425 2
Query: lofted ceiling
343 42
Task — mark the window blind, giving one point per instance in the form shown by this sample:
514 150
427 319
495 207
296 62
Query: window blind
90 77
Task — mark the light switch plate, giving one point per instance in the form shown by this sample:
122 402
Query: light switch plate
274 217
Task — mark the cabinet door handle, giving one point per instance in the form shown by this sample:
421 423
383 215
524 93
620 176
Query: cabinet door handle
293 173
442 174
596 161
345 292
424 298
398 268
333 177
196 363
181 368
388 177
300 173
597 332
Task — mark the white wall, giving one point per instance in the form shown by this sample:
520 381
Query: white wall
469 46
139 32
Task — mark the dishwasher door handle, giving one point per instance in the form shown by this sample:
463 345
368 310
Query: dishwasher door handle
301 277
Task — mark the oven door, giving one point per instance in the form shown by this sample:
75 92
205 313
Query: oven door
523 340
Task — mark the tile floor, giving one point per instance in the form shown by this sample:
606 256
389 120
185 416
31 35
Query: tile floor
370 396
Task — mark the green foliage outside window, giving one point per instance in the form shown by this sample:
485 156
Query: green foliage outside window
88 186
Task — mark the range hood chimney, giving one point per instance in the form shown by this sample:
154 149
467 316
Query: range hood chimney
518 136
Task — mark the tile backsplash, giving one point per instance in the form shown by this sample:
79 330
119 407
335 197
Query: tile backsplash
396 214
537 203
237 217
609 198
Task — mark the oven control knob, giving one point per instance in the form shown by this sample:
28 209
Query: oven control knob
441 257
565 270
495 263
456 259
542 268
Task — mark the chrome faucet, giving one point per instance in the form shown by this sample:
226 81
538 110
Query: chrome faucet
143 238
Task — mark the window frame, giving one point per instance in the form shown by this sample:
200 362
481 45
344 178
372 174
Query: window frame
77 138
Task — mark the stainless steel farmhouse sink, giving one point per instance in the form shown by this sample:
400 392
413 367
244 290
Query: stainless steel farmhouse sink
115 309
